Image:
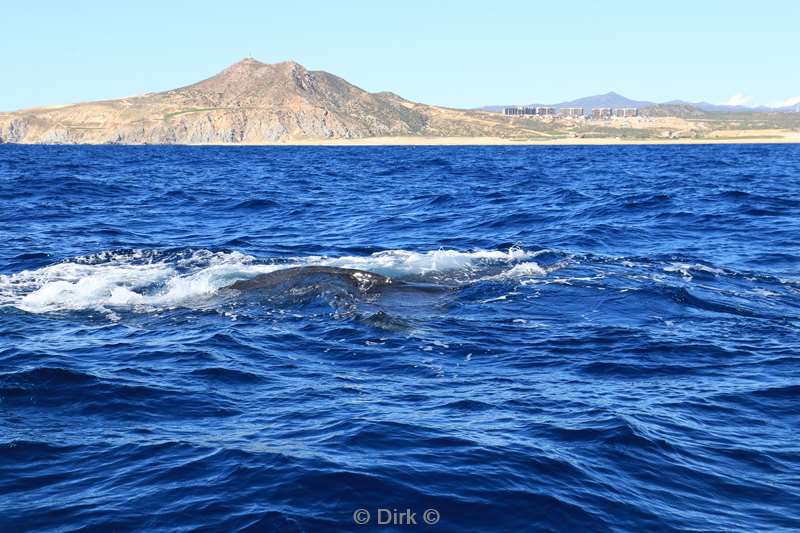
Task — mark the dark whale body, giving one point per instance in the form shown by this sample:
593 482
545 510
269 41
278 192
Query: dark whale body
307 277
381 301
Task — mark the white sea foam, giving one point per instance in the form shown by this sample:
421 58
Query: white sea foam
528 268
686 269
145 280
125 280
396 263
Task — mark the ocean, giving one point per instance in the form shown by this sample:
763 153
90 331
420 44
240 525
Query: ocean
587 338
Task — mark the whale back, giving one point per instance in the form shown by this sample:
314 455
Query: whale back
321 278
348 291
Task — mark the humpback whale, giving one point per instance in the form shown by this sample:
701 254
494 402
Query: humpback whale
383 302
303 284
294 278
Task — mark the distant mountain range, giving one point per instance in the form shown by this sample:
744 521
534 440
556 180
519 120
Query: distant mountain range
722 108
613 99
258 103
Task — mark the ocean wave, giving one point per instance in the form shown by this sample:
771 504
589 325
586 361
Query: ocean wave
58 387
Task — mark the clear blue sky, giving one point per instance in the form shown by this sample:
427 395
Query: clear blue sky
455 53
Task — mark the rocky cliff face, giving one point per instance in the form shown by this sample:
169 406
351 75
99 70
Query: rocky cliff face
249 102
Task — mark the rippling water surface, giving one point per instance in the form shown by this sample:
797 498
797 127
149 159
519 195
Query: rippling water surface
586 338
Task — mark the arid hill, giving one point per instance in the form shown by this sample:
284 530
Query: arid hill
251 103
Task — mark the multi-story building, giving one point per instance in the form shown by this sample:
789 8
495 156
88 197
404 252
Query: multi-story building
624 112
538 111
519 110
599 113
571 111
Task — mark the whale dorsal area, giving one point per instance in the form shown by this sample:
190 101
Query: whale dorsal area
359 280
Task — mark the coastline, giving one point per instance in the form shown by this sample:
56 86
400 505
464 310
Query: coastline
472 141
496 141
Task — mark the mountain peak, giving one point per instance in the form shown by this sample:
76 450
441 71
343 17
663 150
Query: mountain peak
249 65
249 61
246 63
240 70
249 80
609 99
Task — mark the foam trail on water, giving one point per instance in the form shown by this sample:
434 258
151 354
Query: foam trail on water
125 280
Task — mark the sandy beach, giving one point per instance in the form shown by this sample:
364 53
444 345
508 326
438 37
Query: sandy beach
776 138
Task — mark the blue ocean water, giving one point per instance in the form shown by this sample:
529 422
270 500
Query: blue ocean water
596 339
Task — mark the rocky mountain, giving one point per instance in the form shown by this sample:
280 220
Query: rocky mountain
251 103
611 99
